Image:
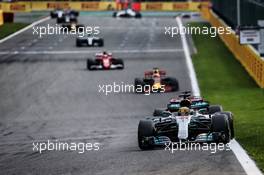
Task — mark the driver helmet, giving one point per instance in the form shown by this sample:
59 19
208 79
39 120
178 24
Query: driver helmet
156 72
184 111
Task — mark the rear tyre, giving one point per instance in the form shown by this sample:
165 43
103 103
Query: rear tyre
120 62
215 108
114 14
220 124
145 129
80 28
172 82
74 20
60 20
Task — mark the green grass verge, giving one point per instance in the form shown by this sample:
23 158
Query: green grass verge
223 80
9 28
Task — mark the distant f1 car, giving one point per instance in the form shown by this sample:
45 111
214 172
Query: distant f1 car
104 61
62 15
156 81
192 102
128 13
186 125
72 26
68 16
89 40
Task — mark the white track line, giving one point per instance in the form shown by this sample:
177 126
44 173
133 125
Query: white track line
246 162
88 51
192 74
24 29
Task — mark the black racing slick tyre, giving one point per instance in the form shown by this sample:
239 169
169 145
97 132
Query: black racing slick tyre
101 43
215 108
172 82
89 63
74 20
139 85
53 15
230 117
60 20
120 62
78 43
80 28
220 124
138 15
145 129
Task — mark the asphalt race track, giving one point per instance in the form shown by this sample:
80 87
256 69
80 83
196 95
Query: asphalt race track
53 97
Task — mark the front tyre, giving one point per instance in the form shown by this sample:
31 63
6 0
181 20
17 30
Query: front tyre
138 15
78 43
139 85
101 43
220 125
89 64
145 129
230 118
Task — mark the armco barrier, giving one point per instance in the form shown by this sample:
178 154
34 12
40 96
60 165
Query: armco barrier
95 6
246 54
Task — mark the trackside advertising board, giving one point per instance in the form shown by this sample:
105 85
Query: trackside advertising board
249 36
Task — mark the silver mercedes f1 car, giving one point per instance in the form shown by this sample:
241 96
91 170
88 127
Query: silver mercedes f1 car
185 125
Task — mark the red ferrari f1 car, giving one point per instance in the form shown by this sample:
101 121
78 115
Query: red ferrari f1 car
104 61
